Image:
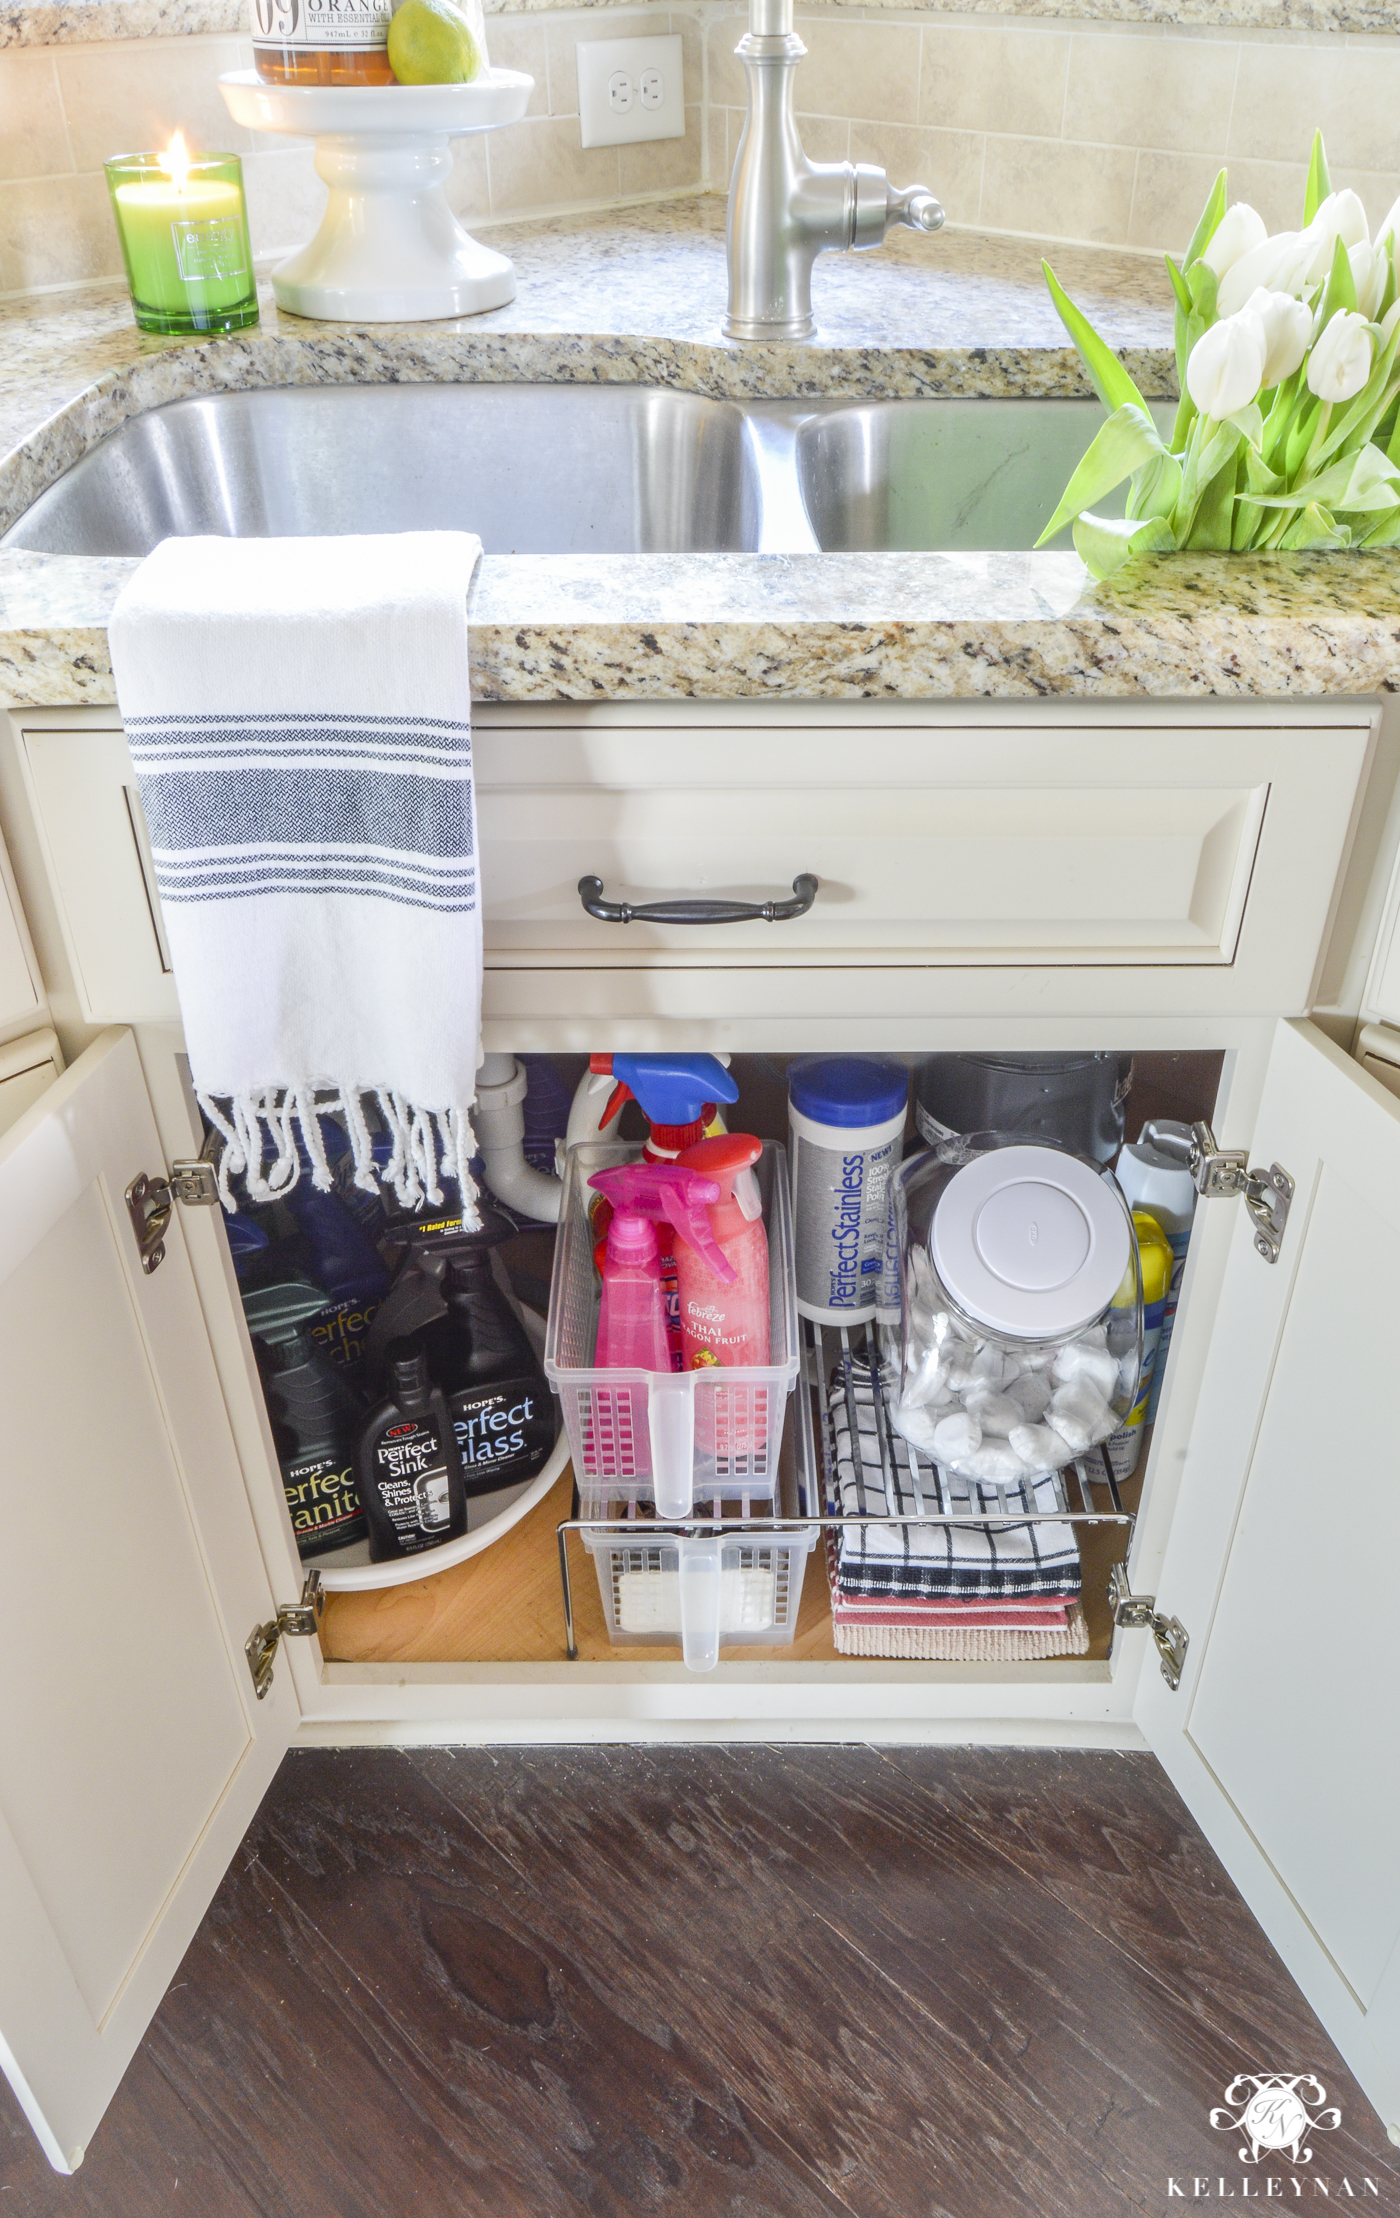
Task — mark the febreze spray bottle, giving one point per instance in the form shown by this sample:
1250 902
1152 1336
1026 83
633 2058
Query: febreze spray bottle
407 1468
725 1322
312 1414
632 1329
678 1095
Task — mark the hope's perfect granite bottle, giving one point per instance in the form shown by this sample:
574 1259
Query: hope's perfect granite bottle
312 1413
407 1468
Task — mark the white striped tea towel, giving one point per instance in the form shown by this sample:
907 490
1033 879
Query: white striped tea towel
299 717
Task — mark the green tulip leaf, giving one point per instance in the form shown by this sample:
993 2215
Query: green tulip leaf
1105 543
1389 295
1110 380
1302 432
1212 525
1209 450
1156 487
1319 184
1125 443
1209 224
1249 423
1341 288
1385 533
1366 480
1179 286
1205 287
1315 528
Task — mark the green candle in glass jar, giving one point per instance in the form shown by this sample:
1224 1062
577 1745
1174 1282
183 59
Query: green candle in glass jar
183 228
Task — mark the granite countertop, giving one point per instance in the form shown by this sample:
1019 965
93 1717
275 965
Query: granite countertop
636 296
65 22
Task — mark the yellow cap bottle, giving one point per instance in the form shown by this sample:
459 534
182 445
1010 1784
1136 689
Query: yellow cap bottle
1156 1257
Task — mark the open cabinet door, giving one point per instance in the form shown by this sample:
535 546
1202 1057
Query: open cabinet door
1284 1564
133 1751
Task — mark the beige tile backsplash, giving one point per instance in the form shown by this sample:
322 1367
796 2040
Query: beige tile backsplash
1095 132
1083 131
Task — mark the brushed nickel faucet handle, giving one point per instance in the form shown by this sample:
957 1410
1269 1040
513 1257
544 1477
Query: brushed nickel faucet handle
917 207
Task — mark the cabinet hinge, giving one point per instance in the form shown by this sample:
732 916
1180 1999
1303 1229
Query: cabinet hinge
292 1619
1138 1612
1219 1172
149 1202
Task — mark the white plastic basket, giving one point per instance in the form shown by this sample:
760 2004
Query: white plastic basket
674 1437
706 1590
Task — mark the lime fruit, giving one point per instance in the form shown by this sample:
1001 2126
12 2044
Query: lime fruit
431 42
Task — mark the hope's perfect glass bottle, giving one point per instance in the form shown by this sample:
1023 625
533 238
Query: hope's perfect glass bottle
322 42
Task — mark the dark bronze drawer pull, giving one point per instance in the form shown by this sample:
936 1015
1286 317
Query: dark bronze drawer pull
686 910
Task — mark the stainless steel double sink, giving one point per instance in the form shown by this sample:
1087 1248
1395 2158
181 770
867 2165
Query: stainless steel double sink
571 469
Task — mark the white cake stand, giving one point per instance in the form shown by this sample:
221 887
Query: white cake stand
389 249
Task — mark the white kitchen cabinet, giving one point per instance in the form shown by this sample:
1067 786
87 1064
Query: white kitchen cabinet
88 818
142 1736
1213 1541
1284 1735
28 1067
21 990
133 1751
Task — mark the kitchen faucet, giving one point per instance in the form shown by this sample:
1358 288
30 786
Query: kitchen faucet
783 209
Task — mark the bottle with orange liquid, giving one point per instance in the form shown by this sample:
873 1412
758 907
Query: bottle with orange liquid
322 42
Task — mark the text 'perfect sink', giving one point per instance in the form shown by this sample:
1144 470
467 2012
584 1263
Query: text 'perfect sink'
575 469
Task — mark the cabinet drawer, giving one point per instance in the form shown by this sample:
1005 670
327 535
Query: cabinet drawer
88 810
961 865
934 846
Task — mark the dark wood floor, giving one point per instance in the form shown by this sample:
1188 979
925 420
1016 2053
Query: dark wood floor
764 1983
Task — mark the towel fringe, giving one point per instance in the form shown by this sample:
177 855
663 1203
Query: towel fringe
427 1145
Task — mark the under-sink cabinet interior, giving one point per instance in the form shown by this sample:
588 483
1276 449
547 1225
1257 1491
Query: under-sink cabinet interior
508 1603
1203 891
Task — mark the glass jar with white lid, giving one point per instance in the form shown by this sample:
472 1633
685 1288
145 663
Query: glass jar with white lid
1020 1298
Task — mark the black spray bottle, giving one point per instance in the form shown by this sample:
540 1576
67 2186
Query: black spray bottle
407 1468
312 1415
481 1357
448 1297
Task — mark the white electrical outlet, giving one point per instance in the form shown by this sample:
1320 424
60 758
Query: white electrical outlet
630 89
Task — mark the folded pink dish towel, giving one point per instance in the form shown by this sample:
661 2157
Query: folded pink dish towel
948 1644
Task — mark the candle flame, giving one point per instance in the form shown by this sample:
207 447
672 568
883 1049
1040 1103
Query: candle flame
175 161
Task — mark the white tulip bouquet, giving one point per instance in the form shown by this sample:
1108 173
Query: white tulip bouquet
1286 433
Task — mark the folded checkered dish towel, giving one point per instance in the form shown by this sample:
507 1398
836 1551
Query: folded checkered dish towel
298 713
929 1560
952 1629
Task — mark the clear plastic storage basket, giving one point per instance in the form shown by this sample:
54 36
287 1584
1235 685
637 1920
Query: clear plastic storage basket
672 1438
707 1590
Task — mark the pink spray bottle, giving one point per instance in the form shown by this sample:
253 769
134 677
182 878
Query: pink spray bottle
724 1319
632 1332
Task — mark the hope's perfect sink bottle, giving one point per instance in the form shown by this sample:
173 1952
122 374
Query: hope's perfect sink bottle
407 1467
